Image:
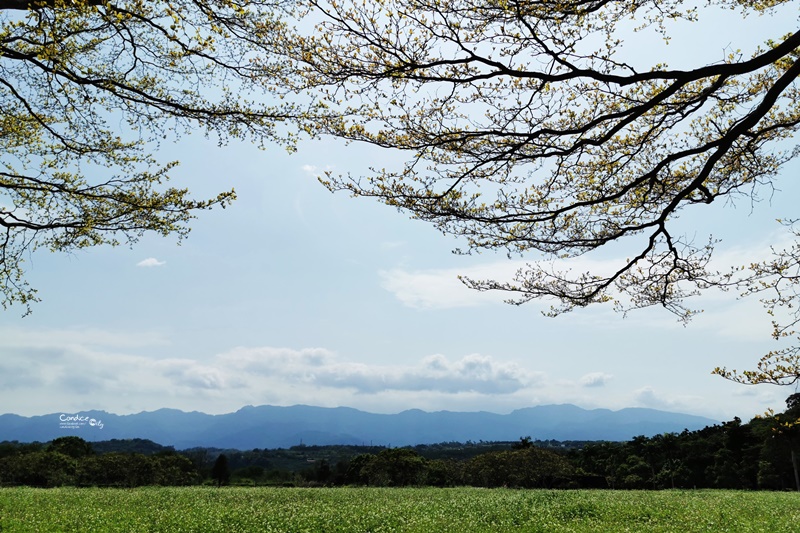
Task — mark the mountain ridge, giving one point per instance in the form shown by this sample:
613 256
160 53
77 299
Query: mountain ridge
269 426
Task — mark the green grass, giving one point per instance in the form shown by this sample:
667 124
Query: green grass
461 510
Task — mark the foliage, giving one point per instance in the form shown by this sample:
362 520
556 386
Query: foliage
394 467
536 128
72 446
220 472
89 89
527 467
731 455
38 469
72 461
143 446
207 510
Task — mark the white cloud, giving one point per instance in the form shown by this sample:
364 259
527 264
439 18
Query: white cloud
441 288
595 379
270 361
151 262
315 171
321 368
648 397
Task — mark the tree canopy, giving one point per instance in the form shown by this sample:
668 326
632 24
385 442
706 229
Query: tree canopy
88 91
530 127
220 472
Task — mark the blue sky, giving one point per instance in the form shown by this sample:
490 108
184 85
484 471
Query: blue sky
294 295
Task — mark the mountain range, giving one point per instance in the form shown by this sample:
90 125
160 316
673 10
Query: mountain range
281 427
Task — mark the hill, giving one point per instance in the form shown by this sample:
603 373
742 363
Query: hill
281 427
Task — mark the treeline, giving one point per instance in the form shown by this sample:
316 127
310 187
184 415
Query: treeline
73 461
728 456
271 464
761 454
525 466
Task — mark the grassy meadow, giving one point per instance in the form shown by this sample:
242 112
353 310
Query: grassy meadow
424 510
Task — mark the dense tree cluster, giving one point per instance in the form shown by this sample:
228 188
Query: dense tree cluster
728 456
756 455
72 461
528 467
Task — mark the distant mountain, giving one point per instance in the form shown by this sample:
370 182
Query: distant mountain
281 427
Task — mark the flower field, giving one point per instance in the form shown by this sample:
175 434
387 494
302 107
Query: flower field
459 510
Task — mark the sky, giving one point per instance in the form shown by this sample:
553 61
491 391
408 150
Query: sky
294 295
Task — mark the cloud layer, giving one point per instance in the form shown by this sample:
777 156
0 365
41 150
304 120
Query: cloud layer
94 369
320 368
60 370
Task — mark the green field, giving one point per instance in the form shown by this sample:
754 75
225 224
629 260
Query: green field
460 510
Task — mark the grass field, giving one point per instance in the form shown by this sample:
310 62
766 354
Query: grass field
461 510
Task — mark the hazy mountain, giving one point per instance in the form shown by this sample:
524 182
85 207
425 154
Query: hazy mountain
280 427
